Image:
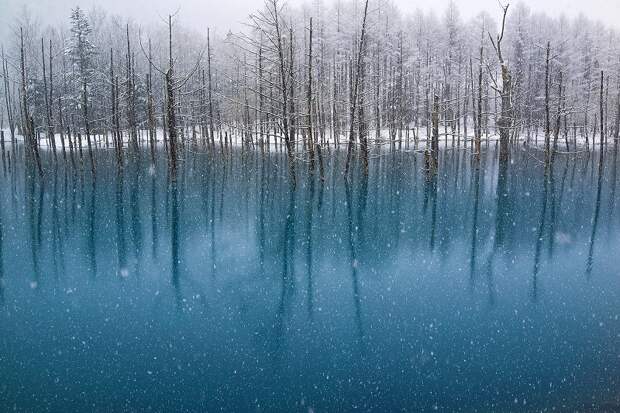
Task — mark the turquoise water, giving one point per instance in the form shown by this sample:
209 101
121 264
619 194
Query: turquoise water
226 289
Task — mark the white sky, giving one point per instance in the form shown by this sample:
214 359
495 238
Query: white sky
225 14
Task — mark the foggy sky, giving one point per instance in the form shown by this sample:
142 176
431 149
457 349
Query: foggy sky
230 14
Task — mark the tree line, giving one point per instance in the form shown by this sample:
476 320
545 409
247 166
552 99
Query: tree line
308 80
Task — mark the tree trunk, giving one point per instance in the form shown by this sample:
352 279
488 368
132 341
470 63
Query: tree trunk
353 107
27 121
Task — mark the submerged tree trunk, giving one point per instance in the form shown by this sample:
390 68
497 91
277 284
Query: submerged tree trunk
284 90
48 111
602 111
171 115
211 133
27 121
311 142
547 116
505 121
150 111
556 132
432 159
479 123
7 98
354 97
131 103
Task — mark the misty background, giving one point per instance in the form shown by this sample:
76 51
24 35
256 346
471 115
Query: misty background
232 14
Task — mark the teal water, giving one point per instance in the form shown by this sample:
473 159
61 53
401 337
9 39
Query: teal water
226 289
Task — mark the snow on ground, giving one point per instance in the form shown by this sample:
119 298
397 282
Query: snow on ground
445 140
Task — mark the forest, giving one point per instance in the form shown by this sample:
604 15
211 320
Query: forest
310 81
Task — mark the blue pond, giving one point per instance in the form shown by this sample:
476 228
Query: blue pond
225 288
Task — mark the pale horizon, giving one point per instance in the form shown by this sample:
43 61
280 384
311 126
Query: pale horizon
199 14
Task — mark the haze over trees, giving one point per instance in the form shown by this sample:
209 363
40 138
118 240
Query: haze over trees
309 79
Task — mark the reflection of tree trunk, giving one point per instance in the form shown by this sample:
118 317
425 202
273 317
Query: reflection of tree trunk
552 215
174 242
34 219
554 207
612 191
261 218
91 230
136 226
430 193
354 263
1 259
540 232
597 209
503 207
309 213
207 187
288 271
289 240
120 225
363 197
502 221
57 244
474 225
213 238
154 214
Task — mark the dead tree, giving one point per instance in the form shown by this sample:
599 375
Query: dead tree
602 111
435 138
260 98
150 109
362 125
8 99
170 103
27 121
354 92
505 120
210 97
172 85
556 131
547 116
271 19
131 99
617 120
48 112
311 142
479 122
291 77
81 52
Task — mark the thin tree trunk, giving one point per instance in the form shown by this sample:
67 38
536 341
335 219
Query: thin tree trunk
602 112
353 107
27 121
547 117
48 112
309 102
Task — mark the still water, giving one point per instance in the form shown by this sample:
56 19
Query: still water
226 289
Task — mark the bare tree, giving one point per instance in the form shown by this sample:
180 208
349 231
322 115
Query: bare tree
505 120
354 92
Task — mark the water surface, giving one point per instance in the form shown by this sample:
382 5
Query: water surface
226 289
